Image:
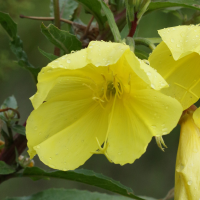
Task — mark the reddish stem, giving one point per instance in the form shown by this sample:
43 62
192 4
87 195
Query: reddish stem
133 27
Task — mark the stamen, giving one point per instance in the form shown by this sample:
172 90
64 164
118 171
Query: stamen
160 142
102 150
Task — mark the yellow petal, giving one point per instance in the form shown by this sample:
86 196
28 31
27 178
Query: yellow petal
63 66
105 53
53 117
196 117
145 72
182 75
181 40
71 147
136 119
187 174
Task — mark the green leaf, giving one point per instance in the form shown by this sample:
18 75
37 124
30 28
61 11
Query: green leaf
50 56
160 4
124 31
141 54
111 21
62 39
5 169
67 8
94 7
19 129
16 44
64 194
10 102
8 24
83 176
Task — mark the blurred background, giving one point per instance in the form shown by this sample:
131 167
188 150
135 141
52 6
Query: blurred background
151 175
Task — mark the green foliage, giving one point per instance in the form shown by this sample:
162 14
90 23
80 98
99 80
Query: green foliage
5 169
83 176
141 54
67 8
94 7
50 56
19 129
62 39
16 44
159 4
111 22
9 102
63 194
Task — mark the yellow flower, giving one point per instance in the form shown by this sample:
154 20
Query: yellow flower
100 96
187 173
177 59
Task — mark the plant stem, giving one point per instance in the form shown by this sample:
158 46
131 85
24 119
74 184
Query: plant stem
88 27
56 22
133 26
14 110
9 132
46 19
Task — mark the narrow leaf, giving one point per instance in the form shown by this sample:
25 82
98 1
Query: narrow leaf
62 39
111 21
16 44
5 169
94 7
8 24
160 4
50 56
62 194
19 129
83 176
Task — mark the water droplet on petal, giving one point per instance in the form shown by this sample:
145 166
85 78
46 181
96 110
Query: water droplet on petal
153 86
197 35
50 158
172 40
68 60
178 45
164 129
189 182
38 147
149 73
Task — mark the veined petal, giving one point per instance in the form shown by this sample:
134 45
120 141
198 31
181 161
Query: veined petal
71 147
136 119
105 53
187 161
182 75
145 72
64 66
181 40
52 118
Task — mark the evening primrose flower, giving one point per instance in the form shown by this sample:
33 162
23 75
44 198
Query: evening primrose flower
177 59
100 100
187 173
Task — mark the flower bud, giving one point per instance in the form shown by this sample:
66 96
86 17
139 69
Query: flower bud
188 163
